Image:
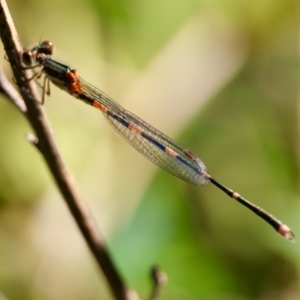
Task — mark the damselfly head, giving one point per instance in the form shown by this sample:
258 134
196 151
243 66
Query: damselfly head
31 57
28 58
46 48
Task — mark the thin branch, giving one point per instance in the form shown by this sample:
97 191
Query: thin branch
10 92
47 146
159 279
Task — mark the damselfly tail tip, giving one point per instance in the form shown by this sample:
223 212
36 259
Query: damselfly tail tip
286 232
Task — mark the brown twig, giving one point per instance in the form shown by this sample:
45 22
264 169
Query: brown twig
47 147
10 92
159 278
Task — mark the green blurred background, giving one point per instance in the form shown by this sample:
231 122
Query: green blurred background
219 76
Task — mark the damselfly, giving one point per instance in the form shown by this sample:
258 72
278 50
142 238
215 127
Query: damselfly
153 144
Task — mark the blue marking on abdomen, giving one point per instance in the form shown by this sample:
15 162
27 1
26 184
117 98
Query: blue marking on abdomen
119 119
187 163
154 142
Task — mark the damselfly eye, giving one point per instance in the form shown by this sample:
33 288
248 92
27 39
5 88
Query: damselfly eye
27 58
46 47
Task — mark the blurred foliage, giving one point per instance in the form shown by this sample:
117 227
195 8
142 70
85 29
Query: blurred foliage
222 76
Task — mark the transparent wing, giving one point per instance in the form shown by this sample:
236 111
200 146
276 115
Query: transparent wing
147 140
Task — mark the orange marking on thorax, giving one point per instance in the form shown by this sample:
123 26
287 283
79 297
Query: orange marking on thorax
73 82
